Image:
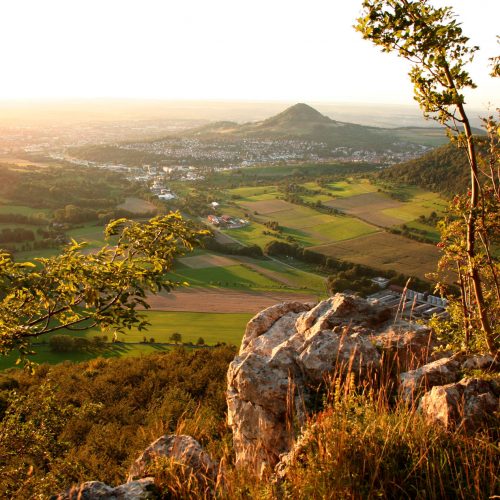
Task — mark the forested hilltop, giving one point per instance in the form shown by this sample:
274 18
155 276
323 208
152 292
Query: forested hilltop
442 170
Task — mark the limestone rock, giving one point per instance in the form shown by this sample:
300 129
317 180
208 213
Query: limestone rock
143 489
415 382
285 353
182 448
470 404
485 362
408 345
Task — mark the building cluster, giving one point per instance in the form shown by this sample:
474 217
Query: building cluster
226 221
235 152
410 304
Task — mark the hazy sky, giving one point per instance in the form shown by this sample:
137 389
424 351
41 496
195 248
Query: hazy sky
214 49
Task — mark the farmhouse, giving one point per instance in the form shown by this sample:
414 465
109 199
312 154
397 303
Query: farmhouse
213 219
226 221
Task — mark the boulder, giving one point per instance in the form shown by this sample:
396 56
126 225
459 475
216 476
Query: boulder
469 404
481 362
414 383
181 448
408 346
285 355
143 489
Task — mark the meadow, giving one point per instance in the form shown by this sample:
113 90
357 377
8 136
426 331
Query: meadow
212 327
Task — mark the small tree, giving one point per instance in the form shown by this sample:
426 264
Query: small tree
176 337
433 41
62 343
200 341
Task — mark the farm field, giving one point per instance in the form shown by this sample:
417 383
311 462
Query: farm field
419 203
255 192
218 300
21 162
309 227
370 207
7 208
92 234
221 271
430 232
347 188
137 206
214 328
386 251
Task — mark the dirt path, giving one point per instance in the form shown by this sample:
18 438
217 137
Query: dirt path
221 300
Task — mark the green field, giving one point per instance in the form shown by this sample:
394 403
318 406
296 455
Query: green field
237 276
92 234
21 209
246 273
213 327
254 192
347 188
416 202
307 226
386 251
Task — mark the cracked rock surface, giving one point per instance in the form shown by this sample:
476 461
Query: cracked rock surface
285 353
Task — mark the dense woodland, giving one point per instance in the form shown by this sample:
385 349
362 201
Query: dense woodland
443 170
55 187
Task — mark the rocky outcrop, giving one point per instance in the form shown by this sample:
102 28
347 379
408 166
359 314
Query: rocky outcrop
183 449
414 383
142 489
407 346
286 352
470 404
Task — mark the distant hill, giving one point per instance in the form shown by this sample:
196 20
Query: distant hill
301 121
443 170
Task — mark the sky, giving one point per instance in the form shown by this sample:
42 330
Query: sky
262 50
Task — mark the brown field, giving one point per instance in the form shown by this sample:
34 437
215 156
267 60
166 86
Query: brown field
220 300
137 206
386 251
224 239
202 261
265 207
22 162
369 207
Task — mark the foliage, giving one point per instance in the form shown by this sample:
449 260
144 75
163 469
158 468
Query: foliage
433 41
32 447
90 421
465 326
360 447
78 290
176 337
444 170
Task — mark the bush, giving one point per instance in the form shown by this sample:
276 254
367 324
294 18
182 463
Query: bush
62 343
